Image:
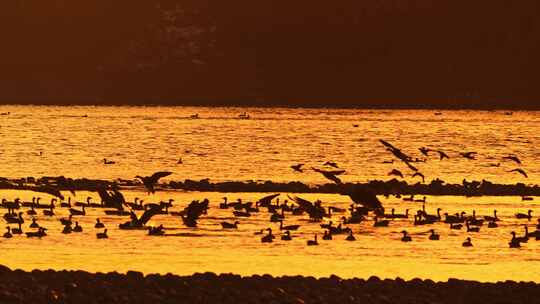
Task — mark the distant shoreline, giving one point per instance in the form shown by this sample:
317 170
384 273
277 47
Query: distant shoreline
134 287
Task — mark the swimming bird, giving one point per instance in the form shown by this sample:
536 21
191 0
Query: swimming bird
433 236
520 171
406 237
227 225
493 218
40 233
15 220
524 216
77 228
388 161
150 181
420 175
442 155
34 224
313 242
66 221
32 211
350 237
331 164
467 243
286 236
8 234
102 235
512 158
156 231
327 236
471 229
455 226
108 162
74 211
298 168
99 224
492 224
289 227
469 155
514 242
269 237
383 223
67 229
17 230
396 172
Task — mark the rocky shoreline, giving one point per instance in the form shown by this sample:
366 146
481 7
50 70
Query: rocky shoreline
394 186
82 287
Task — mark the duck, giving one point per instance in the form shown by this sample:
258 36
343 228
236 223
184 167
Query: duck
102 235
471 229
99 224
67 229
276 217
269 237
525 216
350 237
40 233
73 211
467 243
49 212
313 242
66 221
514 242
288 227
8 234
406 237
286 236
493 218
34 224
227 225
492 224
77 228
383 223
327 236
433 236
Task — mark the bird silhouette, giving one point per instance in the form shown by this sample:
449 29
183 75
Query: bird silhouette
512 158
469 155
442 155
425 150
298 168
396 172
420 175
150 181
331 164
331 175
520 171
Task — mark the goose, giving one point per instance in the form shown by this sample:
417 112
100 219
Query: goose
40 233
453 219
512 158
66 205
421 200
288 227
313 242
224 205
286 236
259 232
67 229
395 215
156 231
467 243
474 221
150 182
388 161
406 237
66 221
383 223
8 234
298 168
409 199
15 220
433 236
276 217
331 164
327 236
34 224
425 151
455 226
350 237
102 235
471 229
525 238
538 225
32 211
227 225
49 212
99 224
525 216
269 237
492 225
17 230
241 214
108 162
520 171
77 228
514 242
493 218
395 172
442 155
73 211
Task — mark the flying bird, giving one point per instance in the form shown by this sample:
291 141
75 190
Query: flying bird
331 175
520 171
331 164
513 158
366 198
442 155
420 175
469 155
396 172
150 181
425 150
298 168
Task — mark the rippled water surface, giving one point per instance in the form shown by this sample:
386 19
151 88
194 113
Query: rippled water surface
221 147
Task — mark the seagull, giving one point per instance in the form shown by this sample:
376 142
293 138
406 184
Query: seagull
421 175
331 164
442 155
396 172
512 158
520 171
468 155
425 150
297 168
150 181
331 175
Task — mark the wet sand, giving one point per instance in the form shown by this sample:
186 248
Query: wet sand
134 287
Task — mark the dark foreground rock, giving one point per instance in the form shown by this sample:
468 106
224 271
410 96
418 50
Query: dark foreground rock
83 287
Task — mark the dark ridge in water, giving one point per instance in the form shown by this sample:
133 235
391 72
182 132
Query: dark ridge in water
436 187
134 287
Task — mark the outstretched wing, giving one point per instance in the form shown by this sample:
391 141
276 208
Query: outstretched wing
332 177
148 214
156 176
366 198
302 202
49 190
267 199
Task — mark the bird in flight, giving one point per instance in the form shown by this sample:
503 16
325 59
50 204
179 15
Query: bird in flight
520 171
396 172
298 168
331 164
425 150
469 155
420 175
442 155
513 158
331 175
151 181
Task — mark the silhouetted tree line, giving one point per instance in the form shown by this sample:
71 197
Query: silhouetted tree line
372 52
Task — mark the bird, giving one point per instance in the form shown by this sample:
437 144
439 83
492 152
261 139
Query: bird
396 172
433 236
99 224
313 242
8 234
492 224
180 161
520 171
331 175
67 229
227 225
420 175
406 237
34 224
469 155
327 236
286 236
108 162
66 221
524 216
77 228
40 233
442 155
289 227
513 158
74 211
350 237
425 150
102 235
150 181
471 229
467 243
298 168
514 242
383 223
493 218
331 164
269 237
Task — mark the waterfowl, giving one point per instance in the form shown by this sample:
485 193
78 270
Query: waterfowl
492 225
520 171
493 218
156 231
17 230
474 221
350 237
99 224
469 155
442 155
512 158
297 168
34 224
108 162
8 234
77 228
227 225
150 181
433 236
395 215
514 242
73 211
269 237
15 220
288 227
383 223
49 212
276 217
395 172
241 214
32 211
524 216
40 233
457 218
538 225
327 236
259 232
66 221
455 226
467 243
420 200
313 242
102 235
66 205
406 237
286 236
471 229
67 229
